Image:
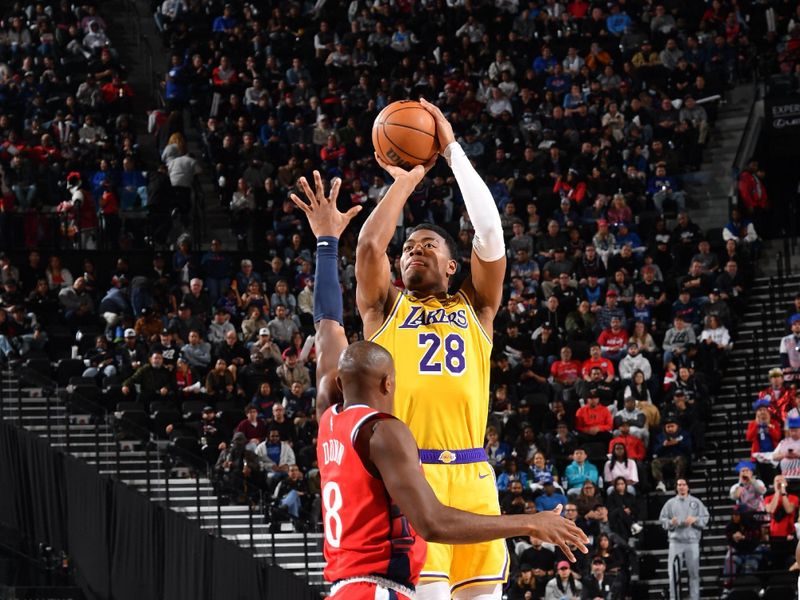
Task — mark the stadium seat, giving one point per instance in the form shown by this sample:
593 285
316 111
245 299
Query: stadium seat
192 410
68 368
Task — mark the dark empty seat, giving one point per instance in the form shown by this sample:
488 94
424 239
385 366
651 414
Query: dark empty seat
131 421
159 419
41 366
67 369
192 410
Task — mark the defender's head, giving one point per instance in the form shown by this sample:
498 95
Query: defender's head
366 375
429 259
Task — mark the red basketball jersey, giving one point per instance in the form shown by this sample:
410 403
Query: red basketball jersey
365 532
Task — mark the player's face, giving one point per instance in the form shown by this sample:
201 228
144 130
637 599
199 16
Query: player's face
426 263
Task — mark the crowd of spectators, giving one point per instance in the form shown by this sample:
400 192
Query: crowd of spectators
70 162
584 118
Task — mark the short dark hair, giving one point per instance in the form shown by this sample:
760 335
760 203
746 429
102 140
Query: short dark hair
442 232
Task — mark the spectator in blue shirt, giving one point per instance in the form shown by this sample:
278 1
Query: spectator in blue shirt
663 187
578 471
511 473
550 497
545 62
224 23
618 21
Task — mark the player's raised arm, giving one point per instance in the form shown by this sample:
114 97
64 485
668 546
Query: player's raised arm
374 292
488 262
394 453
327 224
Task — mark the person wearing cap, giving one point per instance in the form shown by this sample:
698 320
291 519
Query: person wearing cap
184 322
788 453
676 341
292 370
220 326
748 492
687 307
684 517
564 586
743 533
267 348
717 307
551 496
131 353
764 434
781 395
148 325
610 309
672 447
600 584
613 341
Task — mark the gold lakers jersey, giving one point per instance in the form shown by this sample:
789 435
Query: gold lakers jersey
441 354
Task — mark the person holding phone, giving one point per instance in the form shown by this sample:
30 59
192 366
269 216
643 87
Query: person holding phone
748 492
788 453
782 509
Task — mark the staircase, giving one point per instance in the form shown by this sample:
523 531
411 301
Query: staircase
710 187
147 469
755 351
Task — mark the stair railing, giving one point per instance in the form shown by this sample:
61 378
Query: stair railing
101 416
677 578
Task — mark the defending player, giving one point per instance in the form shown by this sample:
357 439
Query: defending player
368 458
441 345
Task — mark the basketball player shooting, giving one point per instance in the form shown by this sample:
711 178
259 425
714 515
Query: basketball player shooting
372 484
441 343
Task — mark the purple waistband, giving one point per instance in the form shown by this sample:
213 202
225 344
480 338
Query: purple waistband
452 457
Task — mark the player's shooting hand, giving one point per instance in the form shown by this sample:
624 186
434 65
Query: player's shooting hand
323 216
444 131
413 176
549 526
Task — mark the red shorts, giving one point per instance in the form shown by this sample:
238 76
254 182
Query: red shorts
362 590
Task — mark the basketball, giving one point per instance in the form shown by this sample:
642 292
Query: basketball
404 134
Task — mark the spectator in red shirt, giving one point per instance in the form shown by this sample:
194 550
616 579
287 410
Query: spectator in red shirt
782 508
593 420
565 374
764 433
252 427
781 396
597 360
613 341
332 151
633 445
753 195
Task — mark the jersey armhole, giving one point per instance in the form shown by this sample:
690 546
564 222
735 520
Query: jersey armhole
478 323
371 419
389 317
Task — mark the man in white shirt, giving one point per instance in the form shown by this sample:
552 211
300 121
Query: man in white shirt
788 453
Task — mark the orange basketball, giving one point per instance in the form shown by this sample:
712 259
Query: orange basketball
404 134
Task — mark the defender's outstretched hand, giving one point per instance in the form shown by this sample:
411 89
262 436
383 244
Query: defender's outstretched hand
321 211
443 128
549 526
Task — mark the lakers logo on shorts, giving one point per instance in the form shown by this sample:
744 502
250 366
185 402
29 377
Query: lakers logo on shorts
447 457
